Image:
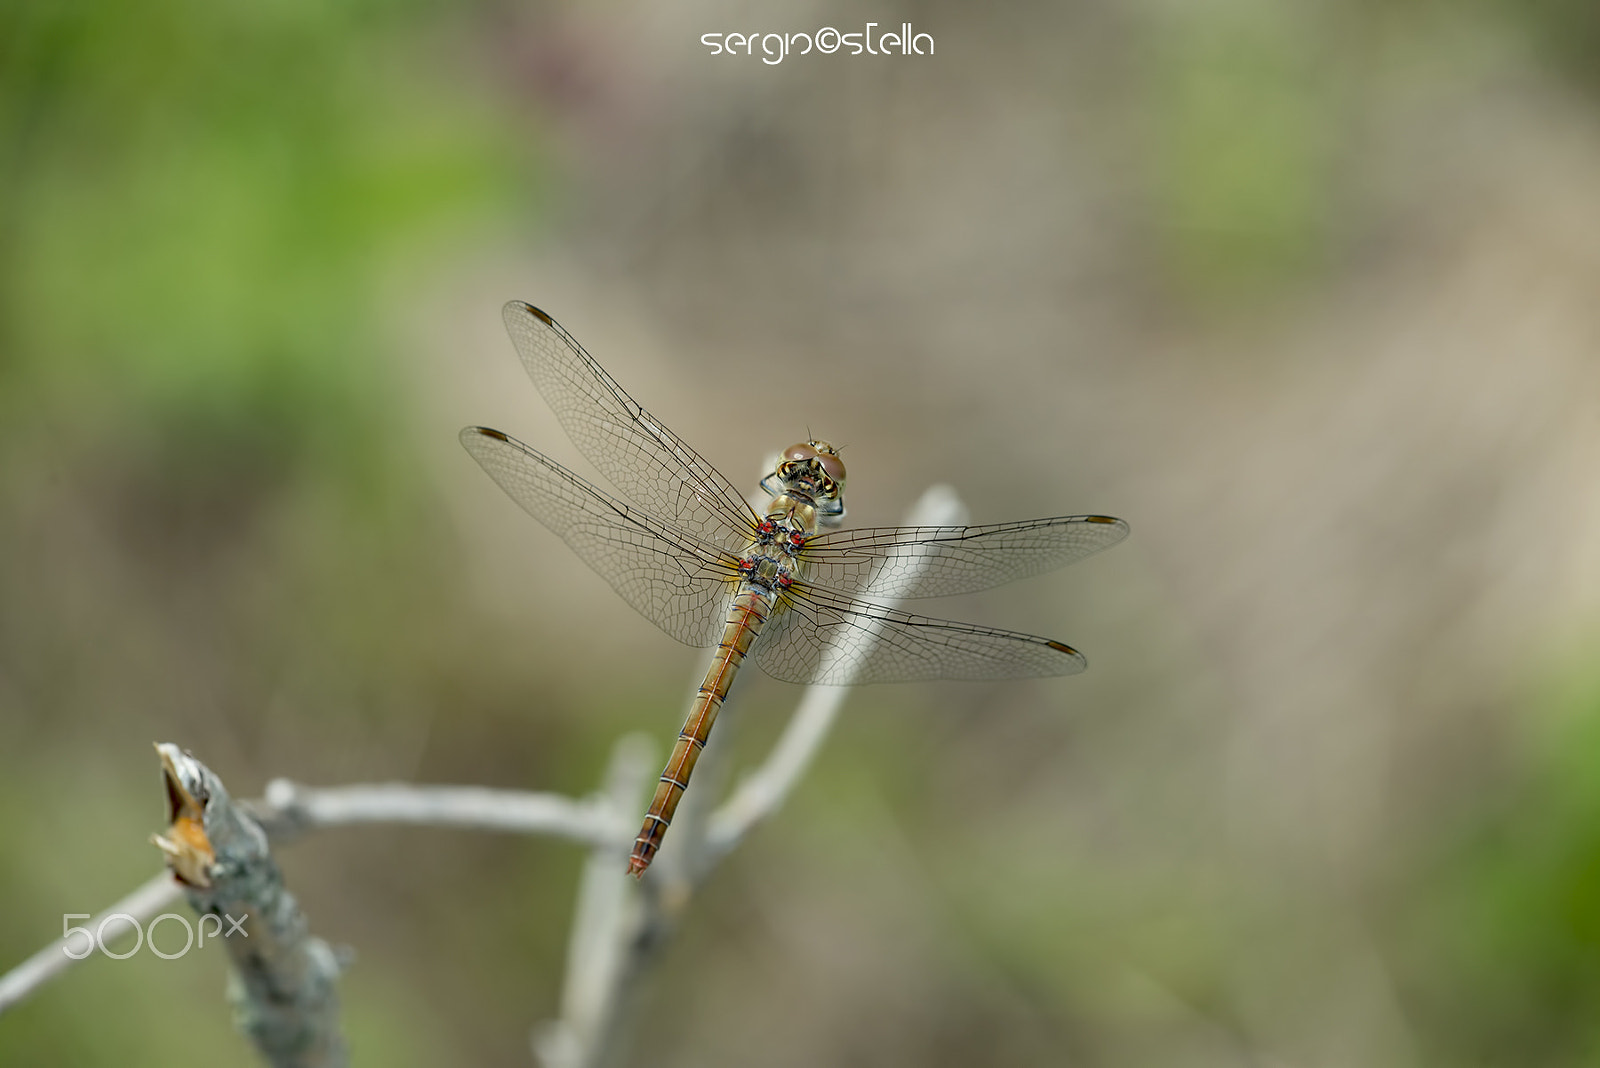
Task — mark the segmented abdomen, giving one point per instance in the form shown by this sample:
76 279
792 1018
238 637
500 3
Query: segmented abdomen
747 614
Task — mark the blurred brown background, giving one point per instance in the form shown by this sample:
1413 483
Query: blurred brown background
1307 293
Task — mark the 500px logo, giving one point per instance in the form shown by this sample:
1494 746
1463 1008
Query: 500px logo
96 939
775 46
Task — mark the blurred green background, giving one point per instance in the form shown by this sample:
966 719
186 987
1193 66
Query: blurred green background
1306 293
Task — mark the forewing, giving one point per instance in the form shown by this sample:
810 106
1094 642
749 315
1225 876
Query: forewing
822 637
638 455
943 561
679 582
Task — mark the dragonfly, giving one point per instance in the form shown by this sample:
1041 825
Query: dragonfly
782 585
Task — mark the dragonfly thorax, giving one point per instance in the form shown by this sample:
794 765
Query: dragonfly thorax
789 524
767 572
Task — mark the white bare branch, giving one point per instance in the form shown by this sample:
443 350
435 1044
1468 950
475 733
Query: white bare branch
604 922
604 967
764 791
290 807
144 904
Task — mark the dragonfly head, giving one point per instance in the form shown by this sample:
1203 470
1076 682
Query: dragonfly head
813 472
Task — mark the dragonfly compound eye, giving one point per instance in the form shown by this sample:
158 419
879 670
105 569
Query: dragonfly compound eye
800 452
832 463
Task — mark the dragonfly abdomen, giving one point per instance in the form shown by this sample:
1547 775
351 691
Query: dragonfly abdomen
747 614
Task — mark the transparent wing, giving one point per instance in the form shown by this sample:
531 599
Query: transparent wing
943 561
823 637
677 581
636 453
